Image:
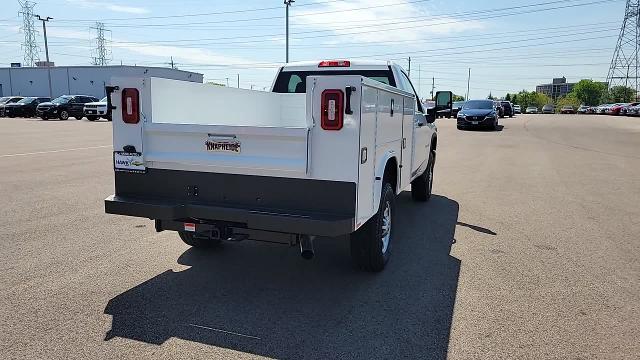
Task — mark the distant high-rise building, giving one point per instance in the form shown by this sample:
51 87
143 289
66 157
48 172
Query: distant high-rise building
559 87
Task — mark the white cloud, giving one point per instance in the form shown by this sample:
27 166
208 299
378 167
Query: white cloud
110 6
382 22
187 55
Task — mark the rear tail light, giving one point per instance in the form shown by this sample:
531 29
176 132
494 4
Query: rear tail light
332 109
335 63
130 108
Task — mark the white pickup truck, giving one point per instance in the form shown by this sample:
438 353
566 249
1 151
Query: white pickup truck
323 154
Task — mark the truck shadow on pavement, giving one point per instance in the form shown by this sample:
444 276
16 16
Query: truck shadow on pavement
265 300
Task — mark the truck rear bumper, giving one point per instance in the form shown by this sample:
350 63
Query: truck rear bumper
294 223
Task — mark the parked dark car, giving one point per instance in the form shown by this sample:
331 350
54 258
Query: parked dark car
25 107
64 107
500 109
567 109
8 100
508 108
457 106
548 109
478 113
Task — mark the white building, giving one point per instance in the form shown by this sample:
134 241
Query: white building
78 80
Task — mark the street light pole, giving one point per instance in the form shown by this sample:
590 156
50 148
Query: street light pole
46 48
468 81
287 3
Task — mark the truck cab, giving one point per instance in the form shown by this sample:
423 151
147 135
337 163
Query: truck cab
323 154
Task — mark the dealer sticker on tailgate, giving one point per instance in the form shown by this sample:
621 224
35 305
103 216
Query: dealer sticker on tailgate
128 162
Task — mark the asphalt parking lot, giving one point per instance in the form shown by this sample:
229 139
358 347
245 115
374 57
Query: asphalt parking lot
529 249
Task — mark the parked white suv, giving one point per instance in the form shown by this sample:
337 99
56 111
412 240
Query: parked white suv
96 110
324 154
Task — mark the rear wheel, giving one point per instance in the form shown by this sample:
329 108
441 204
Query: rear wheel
78 117
201 242
92 118
64 115
422 185
371 244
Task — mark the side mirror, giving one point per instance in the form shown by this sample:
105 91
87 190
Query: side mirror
444 101
430 116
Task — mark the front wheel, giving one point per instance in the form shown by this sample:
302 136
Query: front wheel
92 118
371 244
200 242
79 117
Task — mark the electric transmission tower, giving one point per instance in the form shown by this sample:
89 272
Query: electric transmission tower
30 44
101 53
624 65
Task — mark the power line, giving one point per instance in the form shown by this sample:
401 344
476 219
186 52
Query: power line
377 27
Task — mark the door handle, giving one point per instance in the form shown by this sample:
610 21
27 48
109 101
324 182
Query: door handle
391 107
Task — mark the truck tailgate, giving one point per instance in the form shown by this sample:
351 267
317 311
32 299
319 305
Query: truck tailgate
206 128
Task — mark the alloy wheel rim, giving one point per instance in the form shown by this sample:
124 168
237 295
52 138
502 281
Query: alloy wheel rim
386 227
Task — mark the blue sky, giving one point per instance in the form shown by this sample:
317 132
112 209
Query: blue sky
508 44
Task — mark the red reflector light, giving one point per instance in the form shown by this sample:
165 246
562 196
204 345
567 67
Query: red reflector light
335 63
332 109
130 108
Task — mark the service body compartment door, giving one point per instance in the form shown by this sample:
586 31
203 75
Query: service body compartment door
366 167
407 141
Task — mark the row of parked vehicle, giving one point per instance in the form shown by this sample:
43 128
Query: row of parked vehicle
628 109
62 107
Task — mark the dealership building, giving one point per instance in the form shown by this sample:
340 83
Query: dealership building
78 80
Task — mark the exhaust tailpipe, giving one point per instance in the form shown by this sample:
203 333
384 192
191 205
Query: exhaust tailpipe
306 246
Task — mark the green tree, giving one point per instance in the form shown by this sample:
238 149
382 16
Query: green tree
490 97
514 98
568 100
621 94
539 99
508 97
589 92
458 97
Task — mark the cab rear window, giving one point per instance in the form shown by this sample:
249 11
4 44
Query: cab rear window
296 81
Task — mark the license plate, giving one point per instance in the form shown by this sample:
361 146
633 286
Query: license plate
128 162
474 122
227 144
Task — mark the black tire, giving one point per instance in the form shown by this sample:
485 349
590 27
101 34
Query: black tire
367 246
422 185
510 116
200 242
79 117
92 118
44 118
64 115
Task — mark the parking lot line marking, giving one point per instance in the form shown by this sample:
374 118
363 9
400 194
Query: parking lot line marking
224 331
56 151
